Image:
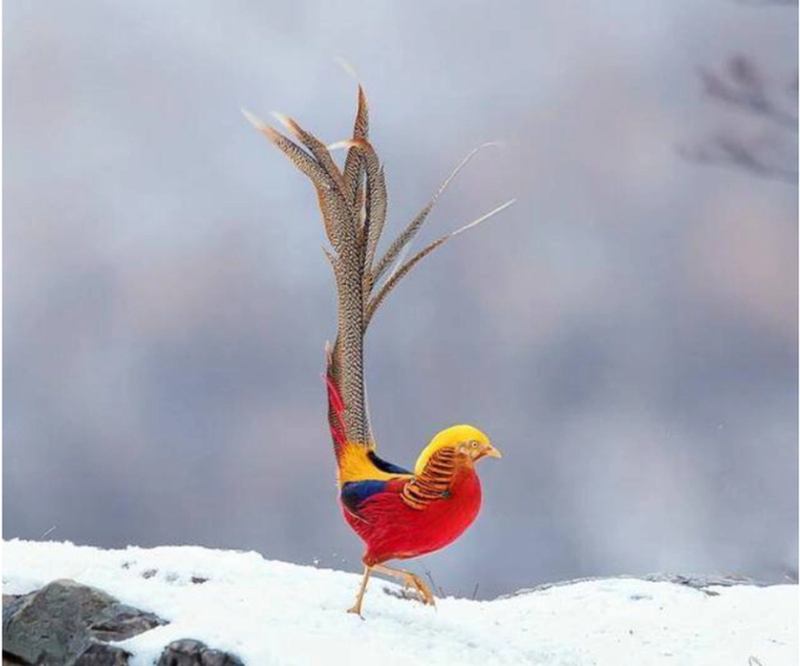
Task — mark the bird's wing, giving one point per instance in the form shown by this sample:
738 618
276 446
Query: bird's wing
355 493
417 492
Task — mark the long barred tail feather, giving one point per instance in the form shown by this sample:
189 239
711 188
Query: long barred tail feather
353 202
402 269
404 238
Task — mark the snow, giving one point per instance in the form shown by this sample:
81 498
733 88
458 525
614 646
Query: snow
275 613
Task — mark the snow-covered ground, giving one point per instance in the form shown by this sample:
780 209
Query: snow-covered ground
274 613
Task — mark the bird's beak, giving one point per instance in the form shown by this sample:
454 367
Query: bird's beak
492 452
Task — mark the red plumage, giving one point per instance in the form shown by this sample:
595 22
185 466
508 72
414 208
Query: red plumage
391 529
335 412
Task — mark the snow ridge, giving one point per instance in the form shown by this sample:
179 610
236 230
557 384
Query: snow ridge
273 613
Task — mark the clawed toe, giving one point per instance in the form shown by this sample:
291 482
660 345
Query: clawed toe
356 611
409 580
426 595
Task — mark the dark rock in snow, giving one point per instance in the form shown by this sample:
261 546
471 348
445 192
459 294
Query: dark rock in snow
100 654
8 660
65 622
124 622
10 598
189 652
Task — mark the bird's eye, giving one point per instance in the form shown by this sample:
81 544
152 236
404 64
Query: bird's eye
474 444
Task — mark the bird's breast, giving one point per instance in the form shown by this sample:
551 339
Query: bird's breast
392 529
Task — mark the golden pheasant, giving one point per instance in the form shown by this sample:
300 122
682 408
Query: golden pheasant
398 513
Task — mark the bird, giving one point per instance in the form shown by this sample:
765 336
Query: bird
398 513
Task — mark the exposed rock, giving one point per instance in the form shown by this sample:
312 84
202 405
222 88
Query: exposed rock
9 598
189 652
64 622
702 581
100 654
124 622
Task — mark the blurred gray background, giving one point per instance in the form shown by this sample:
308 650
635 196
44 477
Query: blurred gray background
626 333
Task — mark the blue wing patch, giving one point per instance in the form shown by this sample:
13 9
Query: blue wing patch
355 492
386 466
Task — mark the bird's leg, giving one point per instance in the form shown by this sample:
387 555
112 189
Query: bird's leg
360 598
409 579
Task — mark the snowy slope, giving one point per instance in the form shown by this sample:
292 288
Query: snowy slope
274 613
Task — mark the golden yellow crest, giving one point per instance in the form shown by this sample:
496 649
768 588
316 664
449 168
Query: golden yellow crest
449 437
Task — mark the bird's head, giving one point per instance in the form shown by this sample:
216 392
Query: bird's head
465 439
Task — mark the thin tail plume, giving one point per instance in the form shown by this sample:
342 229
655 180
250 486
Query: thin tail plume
353 201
